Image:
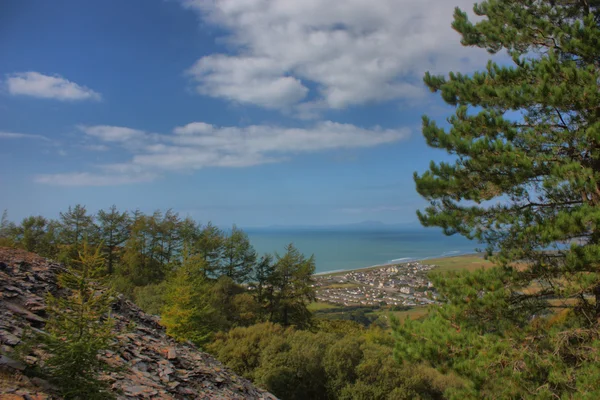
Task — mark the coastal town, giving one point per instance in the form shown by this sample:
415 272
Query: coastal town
390 285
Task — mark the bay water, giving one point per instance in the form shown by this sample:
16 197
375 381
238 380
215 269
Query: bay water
338 249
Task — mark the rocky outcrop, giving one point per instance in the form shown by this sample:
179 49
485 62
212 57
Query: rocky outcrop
150 365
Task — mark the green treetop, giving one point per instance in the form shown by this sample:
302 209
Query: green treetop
78 327
525 181
114 231
526 138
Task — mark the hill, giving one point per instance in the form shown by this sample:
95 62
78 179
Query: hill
148 364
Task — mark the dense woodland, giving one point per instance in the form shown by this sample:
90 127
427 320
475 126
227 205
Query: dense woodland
159 259
524 180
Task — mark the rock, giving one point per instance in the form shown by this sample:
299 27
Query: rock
11 397
9 338
44 384
147 364
171 354
6 361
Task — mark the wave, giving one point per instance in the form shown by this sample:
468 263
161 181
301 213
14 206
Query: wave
402 259
447 253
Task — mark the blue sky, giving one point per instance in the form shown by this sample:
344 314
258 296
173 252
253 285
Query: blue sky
255 112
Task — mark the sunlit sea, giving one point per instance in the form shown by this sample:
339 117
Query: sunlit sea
341 250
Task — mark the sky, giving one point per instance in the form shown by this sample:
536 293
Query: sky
253 112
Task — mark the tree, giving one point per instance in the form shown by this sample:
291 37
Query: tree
31 232
7 230
78 328
209 245
76 226
263 279
292 290
238 257
234 305
113 229
188 312
5 225
525 181
36 234
142 259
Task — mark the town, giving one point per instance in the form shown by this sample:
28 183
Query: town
389 285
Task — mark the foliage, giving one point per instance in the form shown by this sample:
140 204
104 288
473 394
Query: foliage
242 348
525 181
7 229
113 227
209 245
188 313
78 327
291 280
238 256
327 363
150 298
76 227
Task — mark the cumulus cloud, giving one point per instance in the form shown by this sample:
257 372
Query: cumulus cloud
352 52
247 80
200 145
15 135
43 86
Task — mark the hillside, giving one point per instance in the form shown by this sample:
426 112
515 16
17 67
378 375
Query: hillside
149 365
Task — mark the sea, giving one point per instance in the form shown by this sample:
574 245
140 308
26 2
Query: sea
338 249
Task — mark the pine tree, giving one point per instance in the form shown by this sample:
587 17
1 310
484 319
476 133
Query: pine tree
76 226
209 246
263 279
525 181
5 225
238 257
188 313
78 327
113 229
292 290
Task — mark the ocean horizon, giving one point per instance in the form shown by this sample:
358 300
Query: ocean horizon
340 249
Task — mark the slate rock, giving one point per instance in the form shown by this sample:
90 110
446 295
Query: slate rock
147 364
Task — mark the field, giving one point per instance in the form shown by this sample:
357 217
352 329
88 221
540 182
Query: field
469 262
320 306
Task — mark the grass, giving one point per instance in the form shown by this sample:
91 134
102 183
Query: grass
319 306
469 262
412 313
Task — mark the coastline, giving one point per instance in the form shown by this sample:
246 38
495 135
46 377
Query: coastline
390 264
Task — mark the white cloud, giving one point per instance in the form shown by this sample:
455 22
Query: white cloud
96 147
14 135
92 179
108 133
247 80
56 87
353 51
199 145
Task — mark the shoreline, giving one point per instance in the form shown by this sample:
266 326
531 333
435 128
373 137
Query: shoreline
390 264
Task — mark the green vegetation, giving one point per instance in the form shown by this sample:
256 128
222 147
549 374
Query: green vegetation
319 306
78 327
339 360
469 262
525 181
